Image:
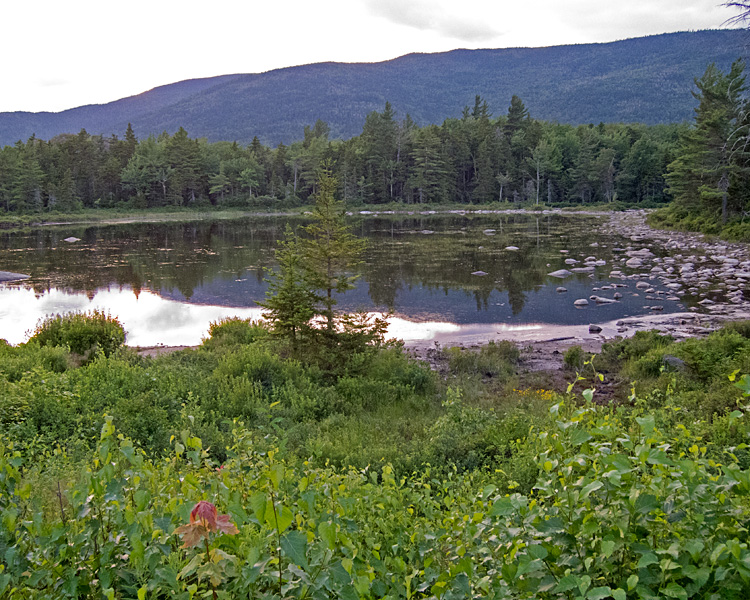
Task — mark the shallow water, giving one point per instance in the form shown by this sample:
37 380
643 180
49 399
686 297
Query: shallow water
166 282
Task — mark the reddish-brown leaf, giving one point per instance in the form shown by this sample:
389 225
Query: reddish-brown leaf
191 534
204 512
225 525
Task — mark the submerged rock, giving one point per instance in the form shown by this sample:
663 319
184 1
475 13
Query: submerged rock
560 273
480 273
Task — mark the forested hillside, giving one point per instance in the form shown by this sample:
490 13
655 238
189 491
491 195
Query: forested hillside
477 158
643 80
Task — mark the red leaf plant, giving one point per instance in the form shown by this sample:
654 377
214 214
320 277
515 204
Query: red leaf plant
204 520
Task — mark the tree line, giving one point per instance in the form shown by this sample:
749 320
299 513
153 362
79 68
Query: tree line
475 159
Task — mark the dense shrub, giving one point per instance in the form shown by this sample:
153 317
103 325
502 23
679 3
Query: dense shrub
233 330
495 359
82 333
574 357
15 361
621 350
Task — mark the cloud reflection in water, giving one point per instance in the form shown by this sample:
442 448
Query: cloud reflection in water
151 320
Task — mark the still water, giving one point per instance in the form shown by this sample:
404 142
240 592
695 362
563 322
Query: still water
167 281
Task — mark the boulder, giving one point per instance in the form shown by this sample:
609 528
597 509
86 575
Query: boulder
9 276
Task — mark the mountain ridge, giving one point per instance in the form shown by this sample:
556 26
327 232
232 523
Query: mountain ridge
646 79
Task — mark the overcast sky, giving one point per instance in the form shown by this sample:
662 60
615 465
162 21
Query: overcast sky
59 55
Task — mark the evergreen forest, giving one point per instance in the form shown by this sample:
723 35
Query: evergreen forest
477 159
702 168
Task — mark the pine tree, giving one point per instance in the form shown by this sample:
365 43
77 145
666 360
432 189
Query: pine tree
290 300
329 250
708 161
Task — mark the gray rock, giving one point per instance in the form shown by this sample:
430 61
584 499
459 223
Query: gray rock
581 302
595 329
9 276
72 239
561 290
511 248
583 270
560 273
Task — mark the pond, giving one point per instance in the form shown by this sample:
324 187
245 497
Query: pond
442 276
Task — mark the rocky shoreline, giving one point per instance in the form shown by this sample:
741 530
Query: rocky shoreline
711 274
656 265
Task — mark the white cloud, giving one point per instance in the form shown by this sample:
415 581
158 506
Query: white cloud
448 20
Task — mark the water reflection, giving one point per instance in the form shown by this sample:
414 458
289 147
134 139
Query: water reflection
148 318
168 281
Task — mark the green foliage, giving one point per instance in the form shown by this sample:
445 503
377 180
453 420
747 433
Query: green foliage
574 357
83 333
15 362
233 331
362 485
622 505
624 349
709 175
329 250
290 298
495 359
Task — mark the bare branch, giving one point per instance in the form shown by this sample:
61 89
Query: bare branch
743 16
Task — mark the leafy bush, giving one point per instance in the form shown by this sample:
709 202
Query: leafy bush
83 333
17 360
623 506
621 350
574 357
741 327
235 331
